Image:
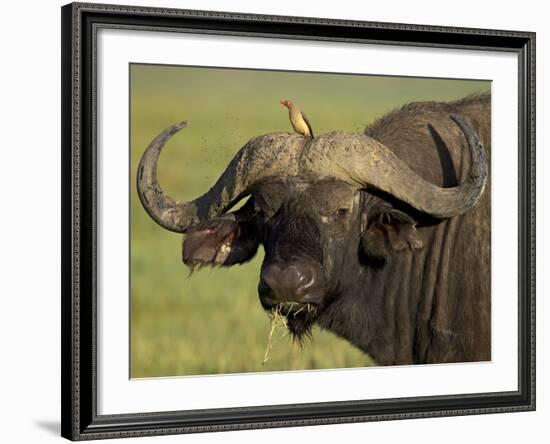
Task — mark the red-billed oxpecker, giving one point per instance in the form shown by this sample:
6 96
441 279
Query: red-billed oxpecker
298 119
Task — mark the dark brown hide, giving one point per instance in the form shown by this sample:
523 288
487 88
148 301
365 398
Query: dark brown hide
433 304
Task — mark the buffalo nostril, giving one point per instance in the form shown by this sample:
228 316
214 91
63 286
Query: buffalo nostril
291 283
301 277
269 277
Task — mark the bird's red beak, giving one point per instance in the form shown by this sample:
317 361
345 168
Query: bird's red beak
283 102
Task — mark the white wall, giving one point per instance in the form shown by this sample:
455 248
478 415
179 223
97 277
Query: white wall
30 233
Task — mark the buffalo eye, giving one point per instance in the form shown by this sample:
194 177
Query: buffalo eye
258 211
342 212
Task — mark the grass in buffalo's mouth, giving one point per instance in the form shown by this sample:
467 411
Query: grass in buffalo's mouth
279 318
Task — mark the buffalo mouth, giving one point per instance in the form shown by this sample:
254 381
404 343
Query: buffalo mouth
297 317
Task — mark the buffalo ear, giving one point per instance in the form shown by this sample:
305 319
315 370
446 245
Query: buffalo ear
220 241
389 230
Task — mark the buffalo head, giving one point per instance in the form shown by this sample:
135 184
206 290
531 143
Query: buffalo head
321 208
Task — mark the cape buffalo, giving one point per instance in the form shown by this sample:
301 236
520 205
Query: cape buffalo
383 236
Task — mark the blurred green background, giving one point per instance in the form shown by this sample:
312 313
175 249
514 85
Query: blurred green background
213 322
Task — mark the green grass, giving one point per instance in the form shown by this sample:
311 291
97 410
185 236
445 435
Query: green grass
212 322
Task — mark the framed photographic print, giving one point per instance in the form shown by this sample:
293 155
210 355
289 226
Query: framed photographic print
279 221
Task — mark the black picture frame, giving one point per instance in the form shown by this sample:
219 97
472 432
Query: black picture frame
78 333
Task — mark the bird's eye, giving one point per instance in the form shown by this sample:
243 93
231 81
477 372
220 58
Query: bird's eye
342 212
